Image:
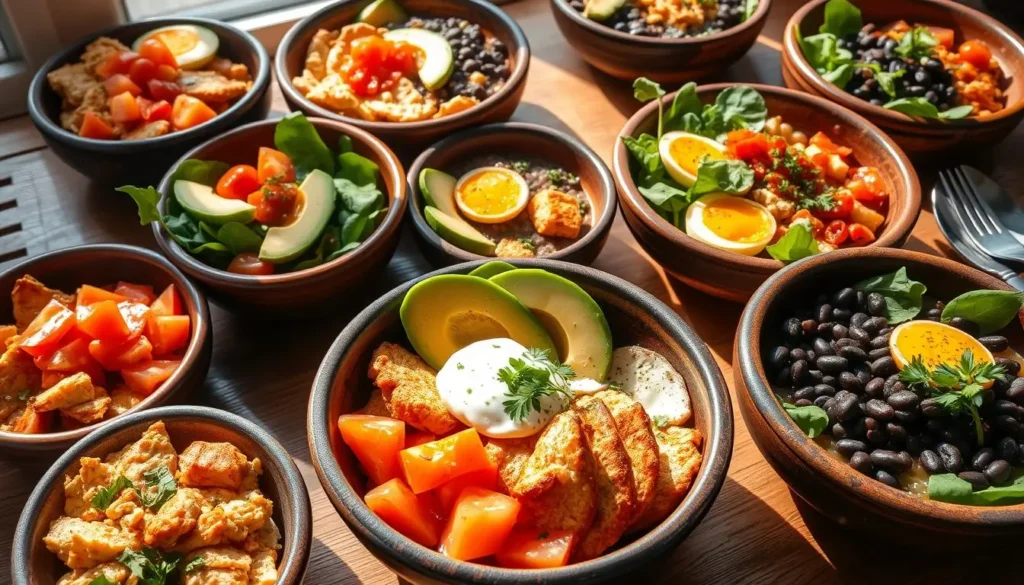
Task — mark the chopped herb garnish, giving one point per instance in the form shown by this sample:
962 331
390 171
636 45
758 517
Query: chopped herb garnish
534 376
194 565
527 243
459 366
520 166
469 390
584 207
106 496
101 580
24 394
150 567
160 487
660 421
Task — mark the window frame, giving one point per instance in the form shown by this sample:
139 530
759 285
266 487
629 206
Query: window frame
30 38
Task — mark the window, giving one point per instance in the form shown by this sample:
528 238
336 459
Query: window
218 9
27 38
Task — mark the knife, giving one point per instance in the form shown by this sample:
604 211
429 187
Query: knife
949 225
998 200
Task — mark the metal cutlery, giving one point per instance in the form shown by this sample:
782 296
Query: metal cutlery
977 218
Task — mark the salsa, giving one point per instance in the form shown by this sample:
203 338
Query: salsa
377 64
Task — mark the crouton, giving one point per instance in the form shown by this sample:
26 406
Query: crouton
83 545
515 248
680 458
409 388
71 391
112 572
212 87
555 213
29 296
90 411
220 566
375 406
209 465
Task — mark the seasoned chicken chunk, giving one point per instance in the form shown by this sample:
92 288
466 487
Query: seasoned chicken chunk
80 489
375 405
209 465
83 545
212 87
113 572
409 387
121 401
71 391
555 213
90 411
316 54
220 566
679 449
29 296
99 50
71 82
176 518
150 130
264 568
19 380
227 519
153 450
637 436
515 248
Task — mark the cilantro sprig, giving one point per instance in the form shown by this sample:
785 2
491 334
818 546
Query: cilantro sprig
530 378
106 496
159 487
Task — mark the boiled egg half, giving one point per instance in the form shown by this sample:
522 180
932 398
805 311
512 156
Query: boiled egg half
681 153
730 223
935 343
192 46
491 194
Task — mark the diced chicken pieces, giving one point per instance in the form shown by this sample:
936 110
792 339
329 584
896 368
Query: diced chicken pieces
220 566
71 391
457 104
264 568
209 465
680 459
121 401
176 518
80 489
150 130
212 87
555 213
153 450
83 545
7 332
99 50
513 248
112 572
129 514
409 387
91 411
316 54
27 421
19 380
29 296
268 537
777 206
231 520
375 405
71 82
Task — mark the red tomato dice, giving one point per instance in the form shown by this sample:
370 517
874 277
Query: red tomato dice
44 334
238 182
146 377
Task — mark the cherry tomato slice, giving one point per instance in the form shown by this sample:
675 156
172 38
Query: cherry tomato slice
976 53
274 164
249 263
156 51
836 232
238 182
141 71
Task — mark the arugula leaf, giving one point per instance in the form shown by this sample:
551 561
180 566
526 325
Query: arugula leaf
749 8
742 106
991 310
842 18
532 377
918 106
646 90
239 238
797 243
296 136
902 295
160 487
812 420
106 496
947 487
917 43
721 176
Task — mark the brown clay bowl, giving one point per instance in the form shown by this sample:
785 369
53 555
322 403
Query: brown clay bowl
674 61
101 264
918 136
290 292
733 276
529 140
829 485
406 137
33 564
635 316
117 162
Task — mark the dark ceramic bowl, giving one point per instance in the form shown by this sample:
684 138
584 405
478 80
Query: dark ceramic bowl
406 137
121 162
734 276
635 317
674 61
292 291
101 264
528 140
829 485
918 136
281 483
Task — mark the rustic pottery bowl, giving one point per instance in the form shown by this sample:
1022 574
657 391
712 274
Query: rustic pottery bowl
532 141
674 61
917 136
117 162
405 137
281 483
290 292
341 385
734 276
100 264
829 485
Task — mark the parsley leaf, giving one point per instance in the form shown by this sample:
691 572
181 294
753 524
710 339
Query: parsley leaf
150 567
530 378
194 565
160 487
917 43
106 496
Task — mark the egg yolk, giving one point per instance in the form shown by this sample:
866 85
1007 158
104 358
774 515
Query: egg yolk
688 153
934 343
733 219
490 192
178 40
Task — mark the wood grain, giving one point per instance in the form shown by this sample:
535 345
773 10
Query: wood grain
755 533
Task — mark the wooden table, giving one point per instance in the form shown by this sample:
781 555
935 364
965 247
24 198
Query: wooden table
756 532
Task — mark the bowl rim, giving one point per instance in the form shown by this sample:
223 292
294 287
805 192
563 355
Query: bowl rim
574 144
199 338
517 77
611 34
897 229
369 528
750 370
293 488
391 223
223 121
792 53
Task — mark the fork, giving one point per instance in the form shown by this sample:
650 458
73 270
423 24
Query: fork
978 219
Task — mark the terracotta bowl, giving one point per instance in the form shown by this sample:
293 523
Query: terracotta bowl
674 61
290 292
117 162
407 137
918 136
827 484
33 564
734 276
532 141
341 385
101 264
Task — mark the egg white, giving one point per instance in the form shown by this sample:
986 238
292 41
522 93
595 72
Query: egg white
524 196
205 50
695 227
677 172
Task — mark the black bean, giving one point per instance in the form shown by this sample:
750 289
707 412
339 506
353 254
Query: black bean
842 315
470 65
824 313
1016 391
832 364
1007 424
822 348
887 478
879 342
779 357
892 460
844 298
824 328
998 471
784 378
847 342
830 380
931 462
1007 448
797 371
798 353
861 461
874 325
875 387
824 390
840 331
876 304
820 401
839 431
951 458
933 315
964 325
931 407
803 402
854 354
1008 408
859 334
815 376
1012 367
977 479
849 381
848 447
982 458
807 392
897 433
884 366
863 373
995 342
915 444
903 400
858 319
906 416
878 409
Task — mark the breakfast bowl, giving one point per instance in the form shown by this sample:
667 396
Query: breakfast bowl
623 47
290 258
615 308
912 509
178 365
157 138
977 60
282 501
562 176
837 153
473 71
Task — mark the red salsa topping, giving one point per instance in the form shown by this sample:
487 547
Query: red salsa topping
377 64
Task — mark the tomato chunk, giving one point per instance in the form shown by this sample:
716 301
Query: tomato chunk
976 53
375 441
168 333
140 293
415 437
168 303
861 235
156 51
189 112
89 294
945 36
146 377
103 320
431 464
95 127
480 522
249 263
116 63
120 83
530 549
238 182
412 515
154 111
124 109
72 356
32 422
118 356
135 316
44 334
826 144
449 492
163 90
274 164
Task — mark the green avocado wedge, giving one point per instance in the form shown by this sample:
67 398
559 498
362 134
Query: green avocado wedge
490 269
602 9
202 203
438 189
438 58
457 232
382 12
284 244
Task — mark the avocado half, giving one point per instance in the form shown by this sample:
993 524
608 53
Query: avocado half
489 269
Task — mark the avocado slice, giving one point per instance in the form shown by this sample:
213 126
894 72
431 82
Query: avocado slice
601 9
382 12
489 269
457 232
202 203
438 190
286 243
438 58
573 319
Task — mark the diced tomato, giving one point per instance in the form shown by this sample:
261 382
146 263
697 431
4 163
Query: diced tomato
189 112
238 182
120 83
167 73
140 293
412 515
275 202
861 235
146 377
375 441
976 53
116 63
32 422
72 356
756 146
817 226
44 334
415 437
449 492
842 204
95 127
124 109
118 356
141 71
431 464
49 378
868 187
167 91
274 164
945 36
168 303
480 522
828 146
532 549
836 232
135 315
153 111
88 294
156 51
250 264
103 320
168 333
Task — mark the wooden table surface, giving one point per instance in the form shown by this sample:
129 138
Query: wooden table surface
756 532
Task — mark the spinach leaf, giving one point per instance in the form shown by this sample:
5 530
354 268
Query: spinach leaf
685 102
239 238
359 198
342 251
646 90
725 176
812 420
947 487
991 310
106 496
645 152
146 199
151 567
358 169
841 75
917 43
742 106
749 8
918 106
823 53
297 137
886 79
330 241
902 295
796 244
842 18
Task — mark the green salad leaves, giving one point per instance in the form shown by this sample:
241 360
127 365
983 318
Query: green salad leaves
150 567
798 242
990 310
947 487
903 297
812 420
